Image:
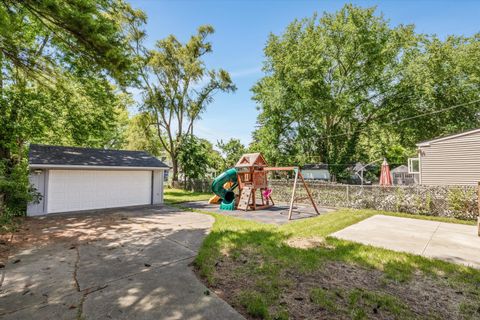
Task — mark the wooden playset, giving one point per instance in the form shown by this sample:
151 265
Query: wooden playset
250 175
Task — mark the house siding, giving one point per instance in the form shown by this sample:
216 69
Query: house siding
453 161
157 187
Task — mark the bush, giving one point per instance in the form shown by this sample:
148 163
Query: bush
16 190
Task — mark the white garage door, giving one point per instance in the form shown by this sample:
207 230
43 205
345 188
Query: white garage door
70 190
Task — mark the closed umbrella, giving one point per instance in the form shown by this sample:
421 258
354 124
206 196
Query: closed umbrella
385 177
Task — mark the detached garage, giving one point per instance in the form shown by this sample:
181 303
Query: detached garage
73 179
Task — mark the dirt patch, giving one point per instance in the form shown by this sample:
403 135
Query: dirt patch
307 243
345 289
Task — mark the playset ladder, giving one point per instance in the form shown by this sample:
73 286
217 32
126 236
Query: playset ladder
245 197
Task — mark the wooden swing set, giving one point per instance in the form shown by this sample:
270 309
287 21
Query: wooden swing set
252 173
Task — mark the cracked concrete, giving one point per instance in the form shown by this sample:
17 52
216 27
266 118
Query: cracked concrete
138 267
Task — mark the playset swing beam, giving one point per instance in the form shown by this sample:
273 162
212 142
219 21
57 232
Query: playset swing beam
298 174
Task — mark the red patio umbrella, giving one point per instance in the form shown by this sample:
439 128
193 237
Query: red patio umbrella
385 177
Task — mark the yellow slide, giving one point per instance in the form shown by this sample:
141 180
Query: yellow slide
216 199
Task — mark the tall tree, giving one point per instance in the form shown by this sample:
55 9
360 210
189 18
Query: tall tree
193 157
332 79
176 86
443 78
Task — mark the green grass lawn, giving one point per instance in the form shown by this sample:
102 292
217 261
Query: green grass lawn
178 196
258 272
264 273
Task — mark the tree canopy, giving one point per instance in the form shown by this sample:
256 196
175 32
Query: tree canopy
335 80
40 36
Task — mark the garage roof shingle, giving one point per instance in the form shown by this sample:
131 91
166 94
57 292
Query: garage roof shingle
76 156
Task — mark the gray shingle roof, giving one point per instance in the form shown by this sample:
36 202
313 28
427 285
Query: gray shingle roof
76 156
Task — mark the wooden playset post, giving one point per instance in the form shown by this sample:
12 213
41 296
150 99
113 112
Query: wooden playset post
308 192
298 173
293 193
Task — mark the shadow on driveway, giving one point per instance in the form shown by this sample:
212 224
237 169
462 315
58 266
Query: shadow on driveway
115 264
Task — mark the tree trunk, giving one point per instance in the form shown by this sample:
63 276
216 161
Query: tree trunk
174 169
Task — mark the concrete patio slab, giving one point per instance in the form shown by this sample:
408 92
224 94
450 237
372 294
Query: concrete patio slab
447 241
277 214
136 266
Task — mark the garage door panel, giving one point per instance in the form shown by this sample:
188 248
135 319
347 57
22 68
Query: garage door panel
70 190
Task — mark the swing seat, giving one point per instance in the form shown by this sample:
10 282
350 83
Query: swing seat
267 193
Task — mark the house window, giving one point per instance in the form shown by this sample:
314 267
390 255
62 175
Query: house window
413 165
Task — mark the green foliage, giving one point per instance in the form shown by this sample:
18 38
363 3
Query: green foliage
15 189
57 60
80 33
460 202
139 135
326 80
338 88
176 86
15 192
193 157
231 150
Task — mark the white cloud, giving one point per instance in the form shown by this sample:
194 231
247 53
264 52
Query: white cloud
246 72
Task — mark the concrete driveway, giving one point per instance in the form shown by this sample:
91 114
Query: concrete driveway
451 242
134 265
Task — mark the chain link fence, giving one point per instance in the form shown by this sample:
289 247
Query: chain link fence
444 201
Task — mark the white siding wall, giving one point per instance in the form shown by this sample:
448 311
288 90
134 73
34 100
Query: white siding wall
453 161
157 196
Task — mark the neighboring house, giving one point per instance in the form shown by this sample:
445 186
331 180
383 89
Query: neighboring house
401 176
450 160
72 178
317 171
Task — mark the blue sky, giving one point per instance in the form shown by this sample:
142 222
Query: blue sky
241 31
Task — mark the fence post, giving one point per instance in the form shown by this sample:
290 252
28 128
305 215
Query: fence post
478 201
348 195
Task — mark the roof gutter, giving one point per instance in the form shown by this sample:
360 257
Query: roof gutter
87 167
423 144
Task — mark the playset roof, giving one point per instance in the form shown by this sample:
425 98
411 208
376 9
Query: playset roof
250 160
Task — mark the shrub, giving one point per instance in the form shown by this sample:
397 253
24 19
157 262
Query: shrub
460 202
16 191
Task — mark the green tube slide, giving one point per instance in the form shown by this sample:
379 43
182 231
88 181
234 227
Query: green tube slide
227 195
